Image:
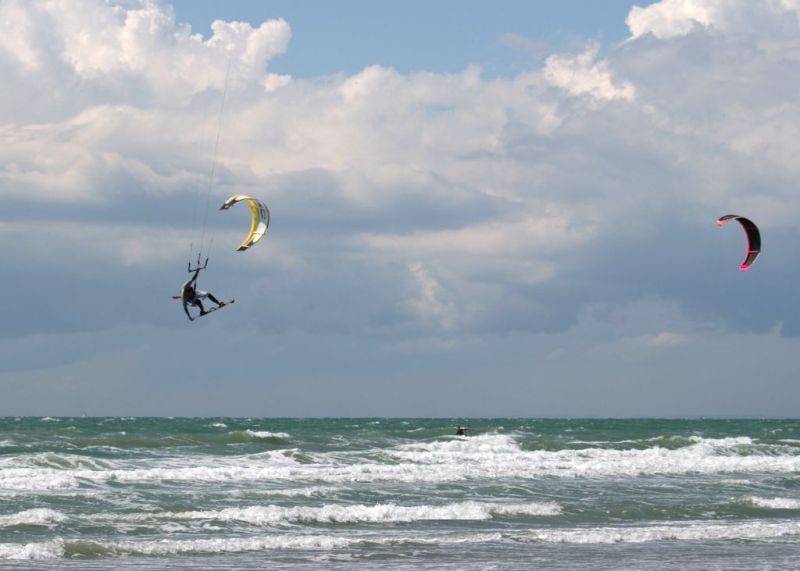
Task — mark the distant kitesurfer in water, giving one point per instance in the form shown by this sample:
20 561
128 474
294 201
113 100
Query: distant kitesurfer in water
190 295
461 431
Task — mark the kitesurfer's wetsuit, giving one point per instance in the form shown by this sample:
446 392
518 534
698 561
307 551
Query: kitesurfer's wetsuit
192 296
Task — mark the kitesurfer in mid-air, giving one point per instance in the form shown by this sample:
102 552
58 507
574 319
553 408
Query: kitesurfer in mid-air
190 295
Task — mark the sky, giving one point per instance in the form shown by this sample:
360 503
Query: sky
477 210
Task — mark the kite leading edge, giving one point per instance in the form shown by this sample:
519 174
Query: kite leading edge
259 221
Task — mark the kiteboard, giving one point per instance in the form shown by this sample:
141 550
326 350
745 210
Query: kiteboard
216 307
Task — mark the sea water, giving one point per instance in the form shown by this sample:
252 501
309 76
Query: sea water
376 493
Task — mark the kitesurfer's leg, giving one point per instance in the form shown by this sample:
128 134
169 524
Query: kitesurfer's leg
215 300
198 303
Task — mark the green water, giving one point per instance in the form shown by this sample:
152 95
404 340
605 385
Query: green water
399 493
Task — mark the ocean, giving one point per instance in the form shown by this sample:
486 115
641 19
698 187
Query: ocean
359 493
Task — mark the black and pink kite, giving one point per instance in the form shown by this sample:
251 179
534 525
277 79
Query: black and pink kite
753 238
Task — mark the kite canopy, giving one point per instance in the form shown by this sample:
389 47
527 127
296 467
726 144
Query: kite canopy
753 238
259 222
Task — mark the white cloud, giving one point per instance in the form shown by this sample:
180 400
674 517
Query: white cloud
545 236
583 75
86 51
429 303
669 18
98 246
509 197
674 18
564 213
667 339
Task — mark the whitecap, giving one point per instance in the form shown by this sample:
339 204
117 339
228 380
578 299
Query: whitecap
334 513
226 545
35 480
442 460
267 434
36 516
775 503
723 442
34 551
689 531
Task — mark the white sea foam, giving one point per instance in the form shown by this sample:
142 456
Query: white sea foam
307 492
500 455
613 442
723 442
36 516
105 448
774 503
532 509
690 531
332 513
491 456
218 425
56 549
751 531
444 539
227 545
734 482
66 461
47 550
267 434
12 480
783 531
